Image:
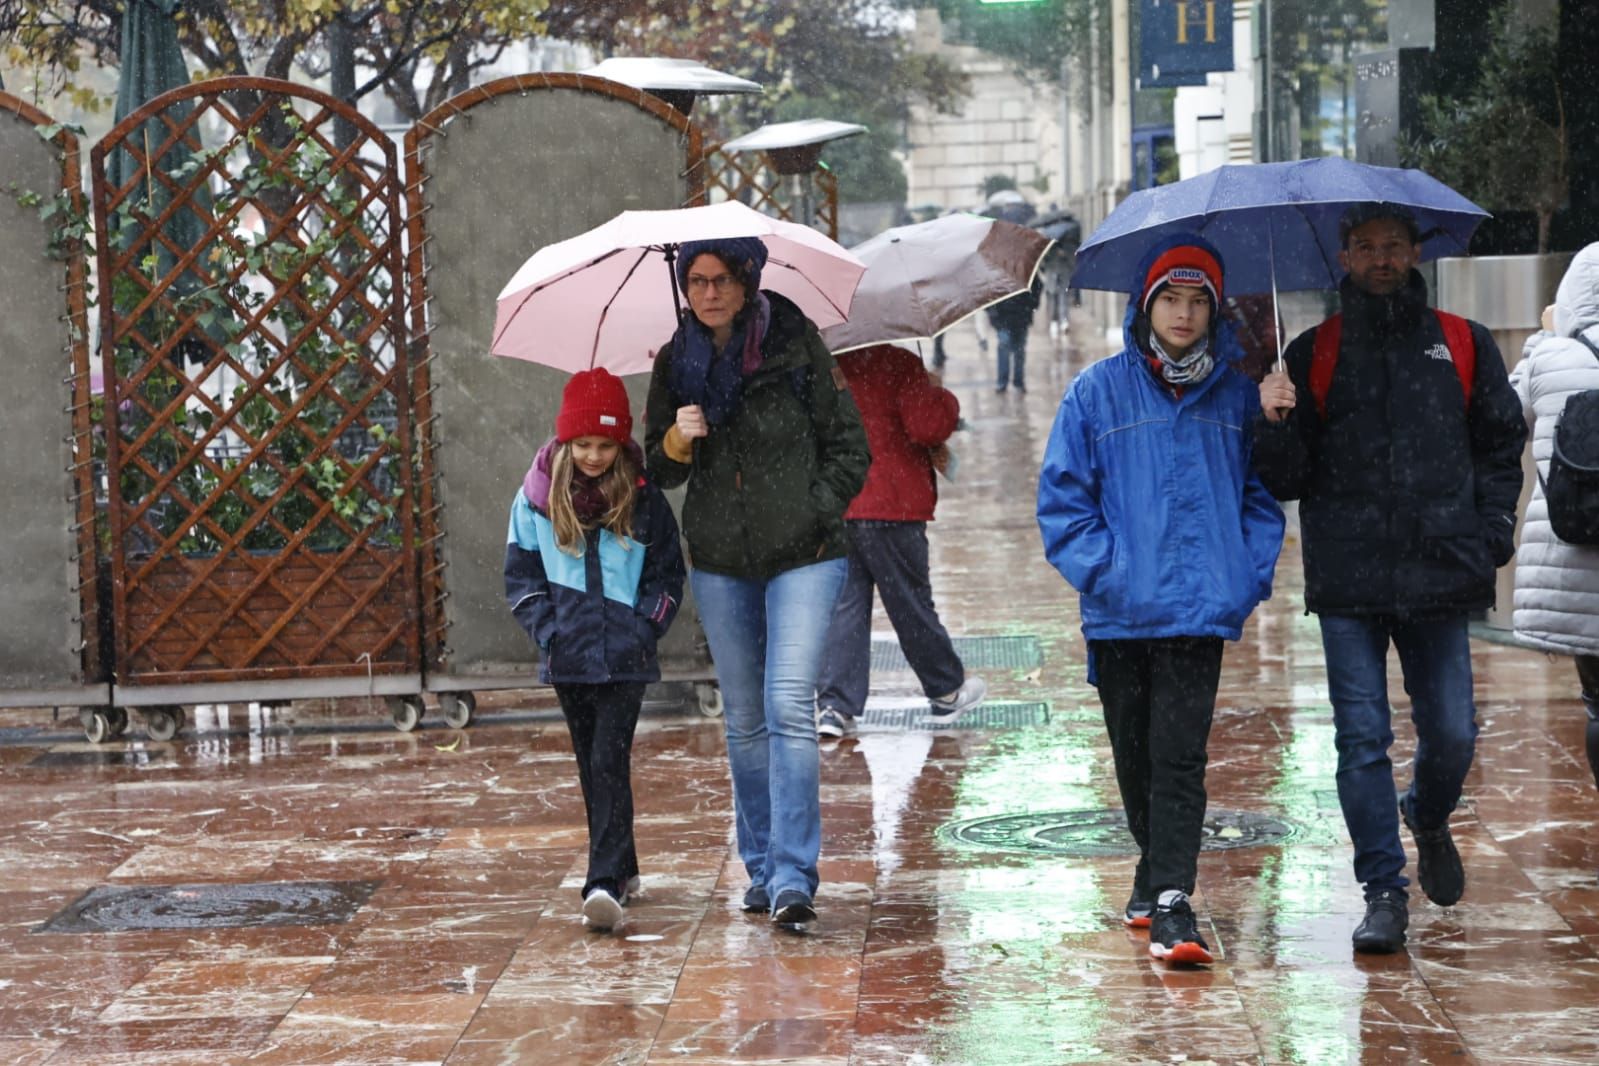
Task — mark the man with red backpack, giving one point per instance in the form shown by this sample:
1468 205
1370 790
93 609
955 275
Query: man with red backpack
1396 428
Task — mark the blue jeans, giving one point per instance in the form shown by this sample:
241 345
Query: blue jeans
1010 351
766 639
1435 656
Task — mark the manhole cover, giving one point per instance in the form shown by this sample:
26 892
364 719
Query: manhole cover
1104 832
114 908
1001 653
997 715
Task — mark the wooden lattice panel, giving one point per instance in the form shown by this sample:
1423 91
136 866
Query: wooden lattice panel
752 179
258 402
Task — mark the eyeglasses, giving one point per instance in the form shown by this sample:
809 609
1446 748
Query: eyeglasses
722 283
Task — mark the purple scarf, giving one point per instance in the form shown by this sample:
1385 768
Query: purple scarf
588 499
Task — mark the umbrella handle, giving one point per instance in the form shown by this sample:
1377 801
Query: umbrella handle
670 251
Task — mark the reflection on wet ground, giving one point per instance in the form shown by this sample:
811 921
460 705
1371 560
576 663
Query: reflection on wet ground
933 946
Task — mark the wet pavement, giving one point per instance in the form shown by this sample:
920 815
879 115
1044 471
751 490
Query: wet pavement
972 877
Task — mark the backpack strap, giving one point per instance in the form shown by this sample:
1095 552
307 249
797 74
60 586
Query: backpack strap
1462 349
1324 359
1324 355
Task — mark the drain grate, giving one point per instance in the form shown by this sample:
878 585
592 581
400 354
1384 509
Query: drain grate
1104 832
1003 653
992 715
123 908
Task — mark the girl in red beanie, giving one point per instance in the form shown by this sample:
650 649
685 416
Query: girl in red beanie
594 574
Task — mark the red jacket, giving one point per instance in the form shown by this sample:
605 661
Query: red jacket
906 415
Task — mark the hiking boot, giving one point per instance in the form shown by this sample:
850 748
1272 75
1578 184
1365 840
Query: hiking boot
1174 934
1141 904
756 901
1438 866
1382 931
793 910
834 723
948 708
601 911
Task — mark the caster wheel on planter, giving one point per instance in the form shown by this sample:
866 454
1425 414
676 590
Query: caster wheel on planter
163 722
119 721
708 697
459 708
406 711
96 725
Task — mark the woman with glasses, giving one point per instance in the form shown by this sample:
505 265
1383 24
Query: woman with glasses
747 406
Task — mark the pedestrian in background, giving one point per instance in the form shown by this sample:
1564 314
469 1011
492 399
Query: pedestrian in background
908 417
1557 584
594 574
1396 428
1012 318
1149 506
747 407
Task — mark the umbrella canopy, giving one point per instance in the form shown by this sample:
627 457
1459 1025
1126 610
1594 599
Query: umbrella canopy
922 279
152 63
1275 224
606 298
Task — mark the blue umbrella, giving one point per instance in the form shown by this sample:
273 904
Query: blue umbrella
1275 224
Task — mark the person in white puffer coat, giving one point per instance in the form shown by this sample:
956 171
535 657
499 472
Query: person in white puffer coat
1557 584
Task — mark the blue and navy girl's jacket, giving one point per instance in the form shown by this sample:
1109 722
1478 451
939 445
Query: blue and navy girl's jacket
596 618
1149 504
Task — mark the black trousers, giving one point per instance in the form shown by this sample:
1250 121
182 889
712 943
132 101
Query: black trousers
890 557
1159 697
601 719
1588 676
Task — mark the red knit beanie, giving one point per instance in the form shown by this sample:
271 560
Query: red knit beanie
594 404
1186 264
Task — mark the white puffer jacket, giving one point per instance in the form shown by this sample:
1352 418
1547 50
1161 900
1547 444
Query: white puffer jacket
1557 584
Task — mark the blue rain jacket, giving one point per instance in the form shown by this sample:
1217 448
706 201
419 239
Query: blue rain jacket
596 618
1149 504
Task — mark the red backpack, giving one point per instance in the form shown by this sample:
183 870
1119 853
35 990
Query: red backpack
1324 356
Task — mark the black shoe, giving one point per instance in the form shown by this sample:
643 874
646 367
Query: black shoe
1382 931
1141 904
793 910
756 901
1438 866
1174 934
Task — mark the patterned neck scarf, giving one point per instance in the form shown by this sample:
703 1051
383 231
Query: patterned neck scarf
1193 367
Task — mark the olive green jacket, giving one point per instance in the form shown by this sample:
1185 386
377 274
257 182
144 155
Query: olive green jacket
768 489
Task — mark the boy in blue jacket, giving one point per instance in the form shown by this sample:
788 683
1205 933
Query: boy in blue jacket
594 574
1149 506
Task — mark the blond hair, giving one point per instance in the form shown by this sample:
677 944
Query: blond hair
620 486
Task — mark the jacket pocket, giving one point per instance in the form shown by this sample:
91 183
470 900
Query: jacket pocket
1454 536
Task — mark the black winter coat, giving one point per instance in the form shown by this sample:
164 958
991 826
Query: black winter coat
768 489
1407 493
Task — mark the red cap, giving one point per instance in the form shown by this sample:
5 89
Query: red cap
594 404
1185 264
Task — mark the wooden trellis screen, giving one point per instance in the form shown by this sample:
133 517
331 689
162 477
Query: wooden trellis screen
258 436
753 179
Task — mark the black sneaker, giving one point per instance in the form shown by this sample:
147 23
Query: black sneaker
1438 866
793 910
1141 904
756 901
1382 931
1174 934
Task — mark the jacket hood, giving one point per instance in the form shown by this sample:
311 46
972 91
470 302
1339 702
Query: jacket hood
536 482
1223 338
1577 298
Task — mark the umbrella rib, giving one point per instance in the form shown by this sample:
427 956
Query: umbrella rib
541 286
842 314
599 327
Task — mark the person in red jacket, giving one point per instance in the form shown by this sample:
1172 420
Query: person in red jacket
908 418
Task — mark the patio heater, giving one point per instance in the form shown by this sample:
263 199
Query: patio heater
677 82
794 149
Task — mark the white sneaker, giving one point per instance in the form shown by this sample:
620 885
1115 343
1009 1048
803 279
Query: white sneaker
969 695
601 911
634 887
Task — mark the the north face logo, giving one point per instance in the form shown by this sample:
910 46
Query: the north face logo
1440 351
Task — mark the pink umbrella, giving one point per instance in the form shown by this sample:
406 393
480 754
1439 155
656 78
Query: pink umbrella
607 298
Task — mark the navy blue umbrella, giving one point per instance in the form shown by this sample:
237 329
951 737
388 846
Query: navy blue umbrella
1275 224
